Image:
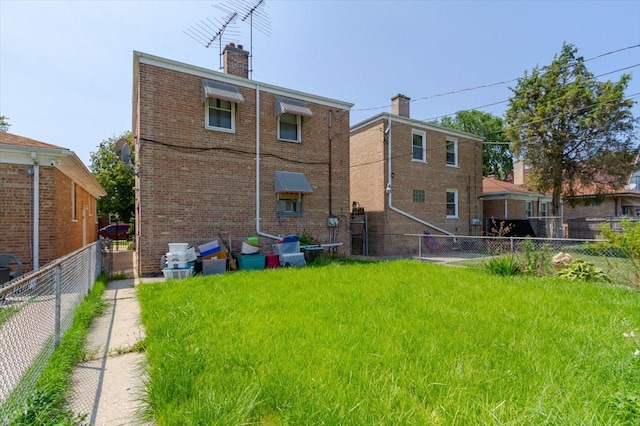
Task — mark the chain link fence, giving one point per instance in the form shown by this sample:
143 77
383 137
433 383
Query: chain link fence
36 309
465 247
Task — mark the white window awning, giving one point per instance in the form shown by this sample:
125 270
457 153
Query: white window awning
226 92
291 106
292 182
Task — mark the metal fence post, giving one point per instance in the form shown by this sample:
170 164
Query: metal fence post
57 287
511 241
419 247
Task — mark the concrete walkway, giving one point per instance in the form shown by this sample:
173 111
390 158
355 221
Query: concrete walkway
108 387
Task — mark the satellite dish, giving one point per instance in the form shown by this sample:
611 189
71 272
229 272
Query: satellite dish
123 150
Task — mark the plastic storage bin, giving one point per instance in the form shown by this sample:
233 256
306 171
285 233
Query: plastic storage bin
177 274
178 248
214 266
251 261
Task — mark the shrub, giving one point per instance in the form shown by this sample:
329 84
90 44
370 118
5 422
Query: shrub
581 270
504 265
627 242
536 261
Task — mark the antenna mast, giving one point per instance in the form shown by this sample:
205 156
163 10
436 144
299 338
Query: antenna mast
207 32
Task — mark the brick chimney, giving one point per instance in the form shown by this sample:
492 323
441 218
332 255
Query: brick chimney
400 105
518 172
236 60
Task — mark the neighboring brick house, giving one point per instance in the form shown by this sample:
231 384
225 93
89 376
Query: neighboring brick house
605 201
410 176
48 201
514 204
220 155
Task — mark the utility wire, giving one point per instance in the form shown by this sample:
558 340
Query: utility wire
496 83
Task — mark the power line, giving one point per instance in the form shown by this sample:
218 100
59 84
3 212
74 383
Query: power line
498 83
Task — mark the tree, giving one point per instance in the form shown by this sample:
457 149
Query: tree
496 157
117 179
4 124
573 130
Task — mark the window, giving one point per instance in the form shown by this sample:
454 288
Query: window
419 149
418 196
289 127
591 202
73 201
543 209
452 152
290 205
221 115
528 208
452 203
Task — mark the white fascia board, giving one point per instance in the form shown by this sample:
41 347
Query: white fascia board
169 64
421 125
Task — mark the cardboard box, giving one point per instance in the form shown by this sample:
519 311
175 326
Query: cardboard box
251 261
214 266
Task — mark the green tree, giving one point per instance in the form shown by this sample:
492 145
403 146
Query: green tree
496 157
117 179
4 123
572 129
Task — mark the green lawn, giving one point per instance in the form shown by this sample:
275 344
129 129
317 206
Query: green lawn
391 343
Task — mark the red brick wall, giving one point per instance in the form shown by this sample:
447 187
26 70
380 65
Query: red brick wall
58 234
434 177
195 184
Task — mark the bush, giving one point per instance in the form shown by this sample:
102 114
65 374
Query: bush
581 270
504 265
627 242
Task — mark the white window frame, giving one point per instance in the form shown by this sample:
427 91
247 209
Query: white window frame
423 135
285 197
528 208
543 209
209 107
298 138
455 202
455 152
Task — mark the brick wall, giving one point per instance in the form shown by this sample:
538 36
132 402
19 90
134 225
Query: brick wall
58 234
434 177
195 184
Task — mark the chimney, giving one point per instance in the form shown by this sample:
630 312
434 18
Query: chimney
400 105
518 172
236 60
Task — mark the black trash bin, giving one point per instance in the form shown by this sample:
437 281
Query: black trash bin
4 274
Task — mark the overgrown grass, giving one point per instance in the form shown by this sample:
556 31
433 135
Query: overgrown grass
402 343
47 405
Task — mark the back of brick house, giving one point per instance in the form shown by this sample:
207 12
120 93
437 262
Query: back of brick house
208 147
411 176
55 179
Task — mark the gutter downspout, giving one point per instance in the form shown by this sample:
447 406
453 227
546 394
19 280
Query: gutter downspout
36 212
395 209
258 167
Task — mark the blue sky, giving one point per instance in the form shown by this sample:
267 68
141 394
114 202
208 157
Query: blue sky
66 66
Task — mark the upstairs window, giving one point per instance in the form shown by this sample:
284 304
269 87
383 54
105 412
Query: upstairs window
289 113
221 115
289 128
418 145
220 108
452 152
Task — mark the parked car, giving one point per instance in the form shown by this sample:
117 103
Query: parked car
118 231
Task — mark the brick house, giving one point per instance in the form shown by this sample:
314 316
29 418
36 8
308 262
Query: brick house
410 176
48 199
220 155
514 204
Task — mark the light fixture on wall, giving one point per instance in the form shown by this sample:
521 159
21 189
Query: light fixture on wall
388 188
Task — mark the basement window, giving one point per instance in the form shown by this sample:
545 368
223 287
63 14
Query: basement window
419 196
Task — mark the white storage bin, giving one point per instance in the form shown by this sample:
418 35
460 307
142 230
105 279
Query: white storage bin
178 248
176 274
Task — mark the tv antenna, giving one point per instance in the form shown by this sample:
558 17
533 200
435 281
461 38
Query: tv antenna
207 32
